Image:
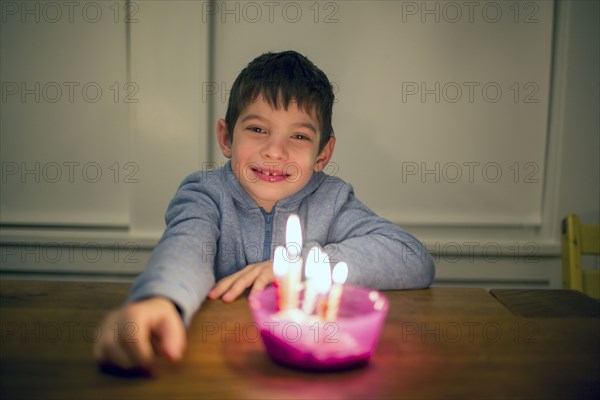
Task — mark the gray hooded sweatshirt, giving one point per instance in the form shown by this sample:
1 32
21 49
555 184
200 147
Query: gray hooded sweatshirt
214 229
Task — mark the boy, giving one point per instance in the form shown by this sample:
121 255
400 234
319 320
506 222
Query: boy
223 225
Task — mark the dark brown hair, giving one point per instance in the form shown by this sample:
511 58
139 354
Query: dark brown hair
281 78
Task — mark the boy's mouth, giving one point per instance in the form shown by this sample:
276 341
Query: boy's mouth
269 174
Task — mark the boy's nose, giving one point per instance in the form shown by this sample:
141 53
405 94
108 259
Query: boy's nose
274 149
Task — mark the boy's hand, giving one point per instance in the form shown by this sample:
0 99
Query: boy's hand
256 275
133 336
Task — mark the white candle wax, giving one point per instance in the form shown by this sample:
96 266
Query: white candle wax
323 283
293 238
294 281
310 284
280 271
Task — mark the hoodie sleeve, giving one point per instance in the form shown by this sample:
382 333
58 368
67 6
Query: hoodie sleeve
379 253
181 265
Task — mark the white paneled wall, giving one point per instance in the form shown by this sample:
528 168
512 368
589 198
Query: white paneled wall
454 119
143 142
65 103
169 47
441 113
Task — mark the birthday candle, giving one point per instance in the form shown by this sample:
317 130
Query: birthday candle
339 275
280 271
293 237
323 284
311 271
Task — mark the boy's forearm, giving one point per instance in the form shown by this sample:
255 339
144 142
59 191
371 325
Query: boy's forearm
178 272
379 253
181 265
381 262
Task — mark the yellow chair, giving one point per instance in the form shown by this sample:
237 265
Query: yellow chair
578 239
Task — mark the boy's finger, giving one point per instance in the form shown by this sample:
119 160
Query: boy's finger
242 283
116 360
260 283
171 337
117 356
135 340
263 279
109 349
228 284
222 286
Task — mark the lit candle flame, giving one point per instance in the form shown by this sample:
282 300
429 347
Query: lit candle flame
280 265
293 236
311 267
340 273
323 275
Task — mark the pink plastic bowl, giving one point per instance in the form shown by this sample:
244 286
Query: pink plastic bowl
322 345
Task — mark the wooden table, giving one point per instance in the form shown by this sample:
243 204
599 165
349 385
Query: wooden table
436 343
548 303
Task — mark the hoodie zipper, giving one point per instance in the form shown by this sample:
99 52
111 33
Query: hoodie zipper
268 234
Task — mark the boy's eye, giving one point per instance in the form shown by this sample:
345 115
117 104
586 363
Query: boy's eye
255 129
300 137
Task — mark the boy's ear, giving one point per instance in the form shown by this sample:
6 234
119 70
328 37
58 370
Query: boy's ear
325 155
223 138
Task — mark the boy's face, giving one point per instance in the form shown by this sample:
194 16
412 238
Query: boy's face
274 151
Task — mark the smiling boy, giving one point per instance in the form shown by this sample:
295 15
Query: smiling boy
222 225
